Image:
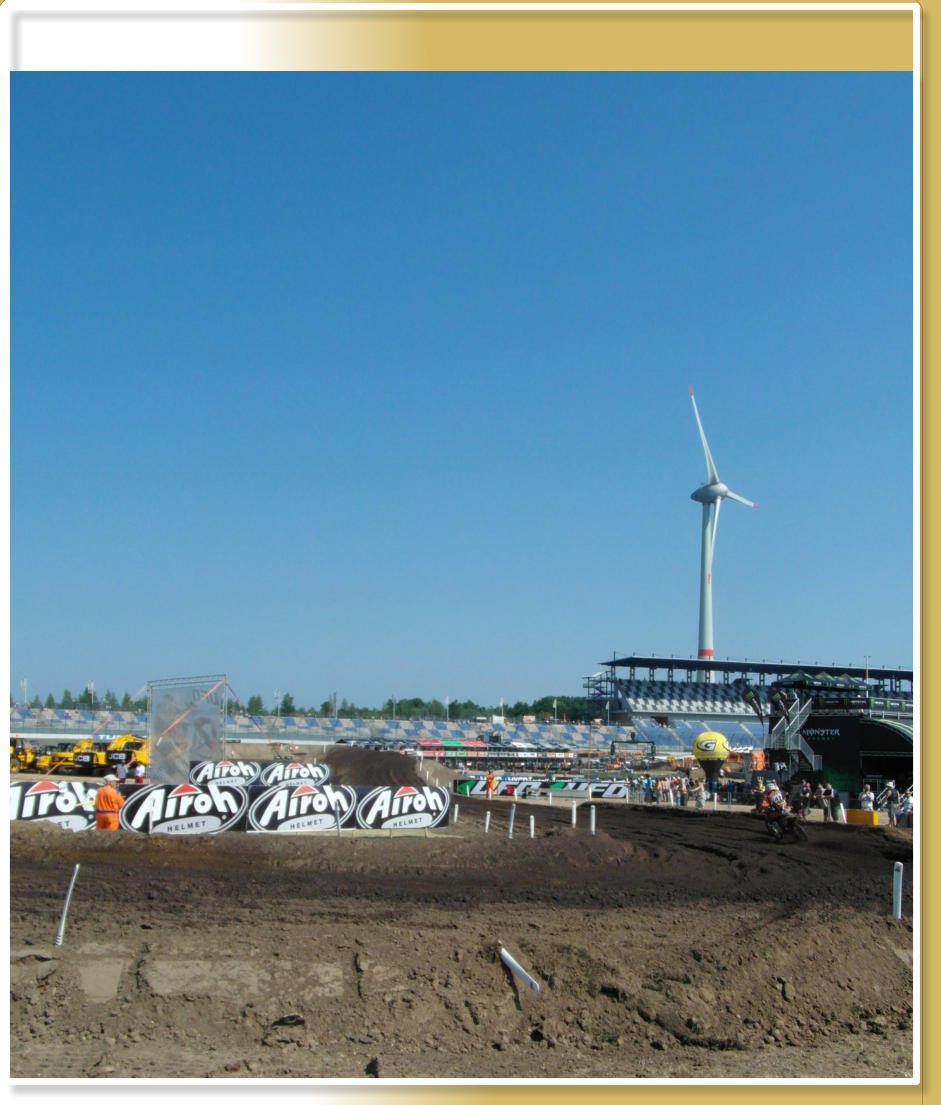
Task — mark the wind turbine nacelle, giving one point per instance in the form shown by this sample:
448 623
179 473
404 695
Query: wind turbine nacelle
709 492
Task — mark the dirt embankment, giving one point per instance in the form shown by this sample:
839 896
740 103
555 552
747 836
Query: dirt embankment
668 943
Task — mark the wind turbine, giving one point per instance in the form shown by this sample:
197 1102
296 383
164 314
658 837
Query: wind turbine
710 494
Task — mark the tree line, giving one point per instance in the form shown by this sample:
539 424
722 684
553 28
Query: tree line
548 708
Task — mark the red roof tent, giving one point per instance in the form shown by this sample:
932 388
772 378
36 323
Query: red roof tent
429 745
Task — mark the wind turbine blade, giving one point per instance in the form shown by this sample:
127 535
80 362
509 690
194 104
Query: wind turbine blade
713 475
739 499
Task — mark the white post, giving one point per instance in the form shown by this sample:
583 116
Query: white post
487 822
65 909
573 813
842 813
532 826
897 892
518 970
715 802
456 808
550 797
591 817
512 819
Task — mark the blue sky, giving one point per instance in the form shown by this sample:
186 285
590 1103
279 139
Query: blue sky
378 383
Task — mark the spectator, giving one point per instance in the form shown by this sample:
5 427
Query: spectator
866 798
120 772
108 803
892 800
906 816
699 794
139 772
489 783
806 797
826 802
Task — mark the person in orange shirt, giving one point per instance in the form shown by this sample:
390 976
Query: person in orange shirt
489 783
108 802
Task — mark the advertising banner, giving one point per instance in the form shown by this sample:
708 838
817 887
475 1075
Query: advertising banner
402 807
66 803
187 719
302 807
184 808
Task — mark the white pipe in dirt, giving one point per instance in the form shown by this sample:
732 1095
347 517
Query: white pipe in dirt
512 819
591 818
842 813
573 813
487 822
65 909
897 892
532 826
518 970
550 797
456 808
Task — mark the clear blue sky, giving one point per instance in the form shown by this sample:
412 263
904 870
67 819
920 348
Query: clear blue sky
378 384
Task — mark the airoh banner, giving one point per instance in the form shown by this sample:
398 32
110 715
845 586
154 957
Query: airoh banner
402 807
282 771
243 773
69 804
302 807
184 809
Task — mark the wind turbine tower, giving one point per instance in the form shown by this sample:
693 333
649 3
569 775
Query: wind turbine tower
710 494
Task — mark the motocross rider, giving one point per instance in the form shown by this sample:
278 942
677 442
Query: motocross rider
776 809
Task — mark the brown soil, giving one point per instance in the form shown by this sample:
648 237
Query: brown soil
666 944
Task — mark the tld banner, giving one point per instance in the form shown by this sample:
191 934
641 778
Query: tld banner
187 721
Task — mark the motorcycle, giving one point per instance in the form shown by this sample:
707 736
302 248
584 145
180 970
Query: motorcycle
784 826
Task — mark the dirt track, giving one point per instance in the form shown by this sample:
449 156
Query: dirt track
671 943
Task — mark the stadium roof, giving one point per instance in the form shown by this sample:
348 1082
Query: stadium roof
760 669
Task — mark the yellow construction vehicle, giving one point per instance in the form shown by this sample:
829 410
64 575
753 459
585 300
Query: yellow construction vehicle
22 757
124 749
90 760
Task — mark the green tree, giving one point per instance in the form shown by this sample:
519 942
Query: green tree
50 702
288 709
255 707
67 702
126 703
110 700
35 704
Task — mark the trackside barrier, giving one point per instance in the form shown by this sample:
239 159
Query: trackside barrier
65 908
518 970
897 892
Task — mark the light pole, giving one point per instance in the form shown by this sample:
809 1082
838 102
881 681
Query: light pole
447 708
277 706
393 707
23 689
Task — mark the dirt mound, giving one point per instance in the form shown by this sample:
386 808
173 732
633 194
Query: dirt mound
668 943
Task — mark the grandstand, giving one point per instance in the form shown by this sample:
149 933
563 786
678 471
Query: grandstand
854 724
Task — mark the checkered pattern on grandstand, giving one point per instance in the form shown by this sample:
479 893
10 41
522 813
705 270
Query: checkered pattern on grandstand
644 697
